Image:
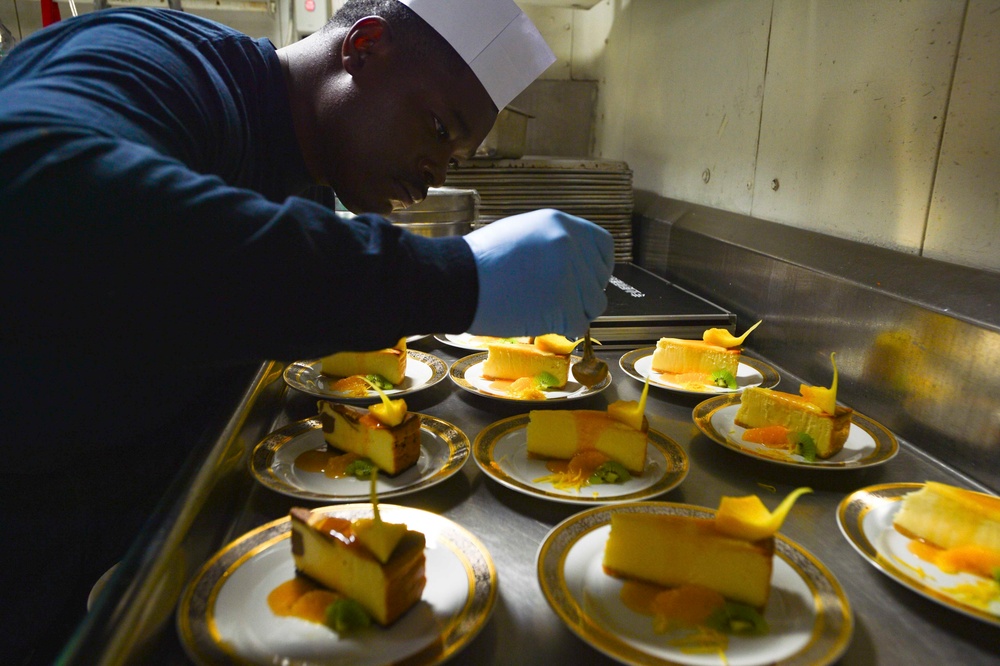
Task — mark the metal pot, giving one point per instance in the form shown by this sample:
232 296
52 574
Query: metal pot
445 212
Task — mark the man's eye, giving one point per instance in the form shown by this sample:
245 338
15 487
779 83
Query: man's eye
440 129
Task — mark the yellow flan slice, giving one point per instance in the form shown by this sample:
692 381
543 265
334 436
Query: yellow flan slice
760 407
389 363
561 434
515 360
950 517
672 550
676 356
326 549
392 448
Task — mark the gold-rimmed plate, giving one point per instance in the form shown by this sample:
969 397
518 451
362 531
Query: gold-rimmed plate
423 370
472 342
865 519
444 448
223 616
868 444
808 613
638 363
467 373
500 450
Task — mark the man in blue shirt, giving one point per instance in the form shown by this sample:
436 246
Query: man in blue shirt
153 240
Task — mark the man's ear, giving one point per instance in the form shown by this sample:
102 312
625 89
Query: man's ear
365 38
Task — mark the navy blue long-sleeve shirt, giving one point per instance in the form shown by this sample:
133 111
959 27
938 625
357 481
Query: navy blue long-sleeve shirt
150 232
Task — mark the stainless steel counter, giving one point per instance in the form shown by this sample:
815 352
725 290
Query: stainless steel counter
133 622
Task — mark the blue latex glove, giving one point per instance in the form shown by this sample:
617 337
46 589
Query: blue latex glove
540 272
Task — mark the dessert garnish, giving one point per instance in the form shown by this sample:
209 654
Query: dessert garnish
723 338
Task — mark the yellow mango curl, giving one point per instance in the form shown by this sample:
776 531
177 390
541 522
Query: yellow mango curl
378 536
556 344
824 398
630 412
723 338
388 412
748 518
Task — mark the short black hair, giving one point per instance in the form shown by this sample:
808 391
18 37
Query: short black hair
413 32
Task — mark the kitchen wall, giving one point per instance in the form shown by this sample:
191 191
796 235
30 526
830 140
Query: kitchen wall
871 120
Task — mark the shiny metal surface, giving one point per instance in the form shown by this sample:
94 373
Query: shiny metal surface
893 625
917 340
446 211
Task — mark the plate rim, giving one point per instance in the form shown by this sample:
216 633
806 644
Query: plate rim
458 369
851 512
483 582
664 444
886 443
627 361
262 456
438 368
589 520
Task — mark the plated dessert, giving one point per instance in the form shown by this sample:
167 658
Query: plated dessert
663 583
810 425
385 435
940 540
589 447
385 368
695 364
421 371
225 616
527 370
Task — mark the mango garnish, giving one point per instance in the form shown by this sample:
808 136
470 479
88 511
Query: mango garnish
723 338
388 412
824 398
556 344
748 518
630 412
379 537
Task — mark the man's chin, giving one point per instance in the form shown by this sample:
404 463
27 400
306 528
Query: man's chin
360 207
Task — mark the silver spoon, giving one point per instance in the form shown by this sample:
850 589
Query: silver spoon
590 370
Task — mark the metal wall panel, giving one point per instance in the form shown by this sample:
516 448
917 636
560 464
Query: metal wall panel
917 340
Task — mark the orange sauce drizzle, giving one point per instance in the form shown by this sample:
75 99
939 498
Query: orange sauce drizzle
968 559
353 386
575 472
686 608
301 598
333 464
692 381
774 436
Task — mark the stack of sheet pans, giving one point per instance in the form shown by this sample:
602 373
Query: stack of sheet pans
598 190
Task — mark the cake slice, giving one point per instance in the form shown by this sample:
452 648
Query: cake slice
392 448
950 517
326 549
761 407
732 553
672 550
562 434
677 356
389 363
512 361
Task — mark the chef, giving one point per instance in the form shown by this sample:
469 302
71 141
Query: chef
165 225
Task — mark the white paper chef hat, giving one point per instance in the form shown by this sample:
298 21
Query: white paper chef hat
497 40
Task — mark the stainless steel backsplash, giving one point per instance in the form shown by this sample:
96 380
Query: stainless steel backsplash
917 340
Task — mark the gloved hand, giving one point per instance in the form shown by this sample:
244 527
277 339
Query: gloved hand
540 272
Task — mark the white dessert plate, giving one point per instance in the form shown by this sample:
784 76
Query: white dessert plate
865 519
470 341
868 444
500 450
423 370
639 362
223 616
444 448
808 613
467 373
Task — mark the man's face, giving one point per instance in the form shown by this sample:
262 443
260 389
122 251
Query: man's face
407 120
